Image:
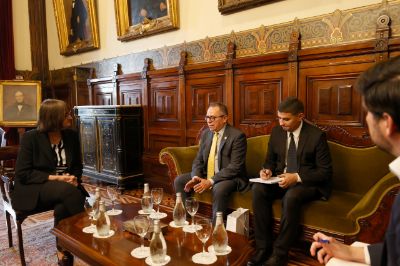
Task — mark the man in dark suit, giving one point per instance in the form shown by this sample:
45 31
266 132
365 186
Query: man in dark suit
220 161
298 153
19 110
380 90
78 21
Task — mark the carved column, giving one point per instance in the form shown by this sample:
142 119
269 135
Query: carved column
145 101
294 47
382 37
116 71
229 99
38 34
182 94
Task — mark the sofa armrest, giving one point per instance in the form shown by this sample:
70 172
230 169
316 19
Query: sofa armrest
372 199
178 160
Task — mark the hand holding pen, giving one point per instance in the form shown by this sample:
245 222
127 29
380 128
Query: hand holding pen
325 248
265 173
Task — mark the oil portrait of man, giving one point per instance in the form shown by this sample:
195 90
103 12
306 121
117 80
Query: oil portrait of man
19 107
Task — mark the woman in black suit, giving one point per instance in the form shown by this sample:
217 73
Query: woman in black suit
49 168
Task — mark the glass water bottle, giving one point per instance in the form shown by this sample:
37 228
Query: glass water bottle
96 205
103 221
146 191
158 246
220 236
179 213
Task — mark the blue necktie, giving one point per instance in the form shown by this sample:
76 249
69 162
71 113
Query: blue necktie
291 161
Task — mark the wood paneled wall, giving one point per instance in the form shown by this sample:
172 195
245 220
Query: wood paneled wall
175 100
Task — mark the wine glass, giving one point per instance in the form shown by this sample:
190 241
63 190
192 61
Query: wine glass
147 204
157 194
203 232
88 205
112 192
141 223
192 205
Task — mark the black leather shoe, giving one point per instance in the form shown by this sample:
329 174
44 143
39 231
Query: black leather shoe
276 260
260 257
66 260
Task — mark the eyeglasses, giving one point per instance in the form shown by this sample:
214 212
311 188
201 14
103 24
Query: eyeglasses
212 118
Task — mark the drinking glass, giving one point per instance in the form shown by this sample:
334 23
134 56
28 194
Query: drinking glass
192 205
203 232
141 224
88 205
157 194
112 192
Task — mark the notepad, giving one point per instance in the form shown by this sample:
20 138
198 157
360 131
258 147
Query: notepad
271 180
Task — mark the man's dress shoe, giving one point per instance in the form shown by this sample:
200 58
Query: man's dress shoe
260 257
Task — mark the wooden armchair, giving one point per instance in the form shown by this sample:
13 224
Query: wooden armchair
8 155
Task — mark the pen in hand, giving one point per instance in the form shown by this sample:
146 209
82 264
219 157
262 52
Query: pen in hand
324 241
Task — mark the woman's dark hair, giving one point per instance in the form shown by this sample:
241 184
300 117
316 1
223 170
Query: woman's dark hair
380 88
291 105
51 115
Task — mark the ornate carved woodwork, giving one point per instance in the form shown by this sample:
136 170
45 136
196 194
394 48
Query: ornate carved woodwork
112 142
70 85
382 33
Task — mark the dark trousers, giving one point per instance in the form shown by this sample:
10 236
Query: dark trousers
293 199
221 192
64 198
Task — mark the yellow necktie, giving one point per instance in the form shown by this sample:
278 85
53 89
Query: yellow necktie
211 157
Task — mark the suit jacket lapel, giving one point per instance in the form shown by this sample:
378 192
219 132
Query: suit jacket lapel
222 144
67 147
302 142
283 146
224 138
48 151
207 146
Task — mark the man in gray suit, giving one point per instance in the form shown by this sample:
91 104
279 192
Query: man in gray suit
224 171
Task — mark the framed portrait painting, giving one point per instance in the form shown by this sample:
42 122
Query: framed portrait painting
76 26
139 18
19 102
231 6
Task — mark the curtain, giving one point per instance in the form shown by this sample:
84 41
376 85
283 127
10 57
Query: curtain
7 66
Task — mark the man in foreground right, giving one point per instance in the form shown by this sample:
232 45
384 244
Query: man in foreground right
380 90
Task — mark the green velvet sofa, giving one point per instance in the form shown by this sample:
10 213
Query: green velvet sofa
359 206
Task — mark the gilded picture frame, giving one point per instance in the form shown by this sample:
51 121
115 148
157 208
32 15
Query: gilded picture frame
20 102
77 26
231 6
140 18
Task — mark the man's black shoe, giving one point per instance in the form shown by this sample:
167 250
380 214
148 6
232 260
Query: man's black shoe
66 260
276 260
260 257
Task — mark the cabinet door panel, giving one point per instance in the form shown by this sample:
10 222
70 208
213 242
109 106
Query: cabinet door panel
107 144
88 142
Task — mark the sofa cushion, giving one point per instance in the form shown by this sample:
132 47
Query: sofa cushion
255 155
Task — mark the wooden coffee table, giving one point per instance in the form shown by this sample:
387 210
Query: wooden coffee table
116 250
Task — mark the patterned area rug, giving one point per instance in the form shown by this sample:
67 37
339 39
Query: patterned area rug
39 243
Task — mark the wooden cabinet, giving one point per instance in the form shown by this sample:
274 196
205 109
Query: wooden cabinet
111 142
